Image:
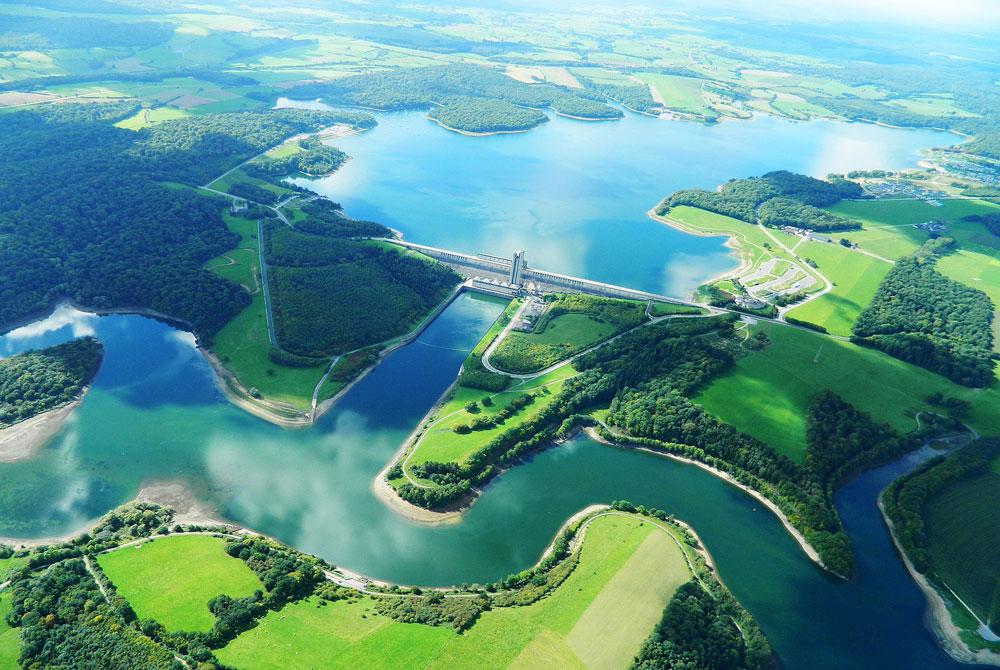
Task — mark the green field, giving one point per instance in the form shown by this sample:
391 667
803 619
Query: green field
440 443
855 278
571 324
753 244
888 224
147 117
683 94
9 643
963 537
171 579
8 564
598 618
768 392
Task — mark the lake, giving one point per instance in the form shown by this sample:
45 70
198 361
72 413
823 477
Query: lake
154 412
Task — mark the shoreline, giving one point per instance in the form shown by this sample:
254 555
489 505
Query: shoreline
23 440
732 243
797 535
938 616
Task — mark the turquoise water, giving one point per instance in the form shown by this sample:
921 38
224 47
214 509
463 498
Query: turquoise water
154 413
574 194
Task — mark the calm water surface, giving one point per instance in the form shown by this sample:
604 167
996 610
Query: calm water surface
154 413
574 194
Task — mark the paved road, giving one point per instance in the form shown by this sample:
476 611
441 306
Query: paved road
266 286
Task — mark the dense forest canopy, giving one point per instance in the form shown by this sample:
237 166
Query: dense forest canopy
922 317
37 381
86 217
777 199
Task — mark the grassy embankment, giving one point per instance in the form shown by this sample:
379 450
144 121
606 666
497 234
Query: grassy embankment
171 579
768 392
242 345
598 618
570 324
889 232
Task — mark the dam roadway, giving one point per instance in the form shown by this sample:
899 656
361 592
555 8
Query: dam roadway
495 267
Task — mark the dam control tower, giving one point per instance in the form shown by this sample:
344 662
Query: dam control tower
517 266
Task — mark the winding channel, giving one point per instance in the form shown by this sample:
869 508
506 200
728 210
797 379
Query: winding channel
154 413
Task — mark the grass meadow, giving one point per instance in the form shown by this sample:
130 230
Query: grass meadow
598 618
9 644
855 279
767 392
171 579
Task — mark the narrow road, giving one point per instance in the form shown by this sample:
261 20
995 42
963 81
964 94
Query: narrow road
266 286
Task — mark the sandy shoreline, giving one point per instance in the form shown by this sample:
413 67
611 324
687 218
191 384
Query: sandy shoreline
22 441
807 548
938 618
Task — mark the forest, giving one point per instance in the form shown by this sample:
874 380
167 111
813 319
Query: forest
777 199
37 381
86 219
331 295
476 85
483 115
922 317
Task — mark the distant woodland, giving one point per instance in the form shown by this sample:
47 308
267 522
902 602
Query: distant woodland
93 217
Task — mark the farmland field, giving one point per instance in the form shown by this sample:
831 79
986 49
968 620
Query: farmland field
683 94
147 117
855 279
598 618
172 579
963 534
768 392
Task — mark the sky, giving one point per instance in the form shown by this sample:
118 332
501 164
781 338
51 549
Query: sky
974 15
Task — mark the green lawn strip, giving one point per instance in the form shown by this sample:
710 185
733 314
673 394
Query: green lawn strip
442 444
752 242
598 618
963 534
667 308
171 579
9 637
238 175
855 278
239 264
242 347
768 391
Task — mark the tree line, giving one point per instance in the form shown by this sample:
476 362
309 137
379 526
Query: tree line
778 199
920 316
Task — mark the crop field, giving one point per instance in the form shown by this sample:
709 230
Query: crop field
172 579
767 393
855 279
598 618
569 325
441 443
683 94
963 534
9 642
